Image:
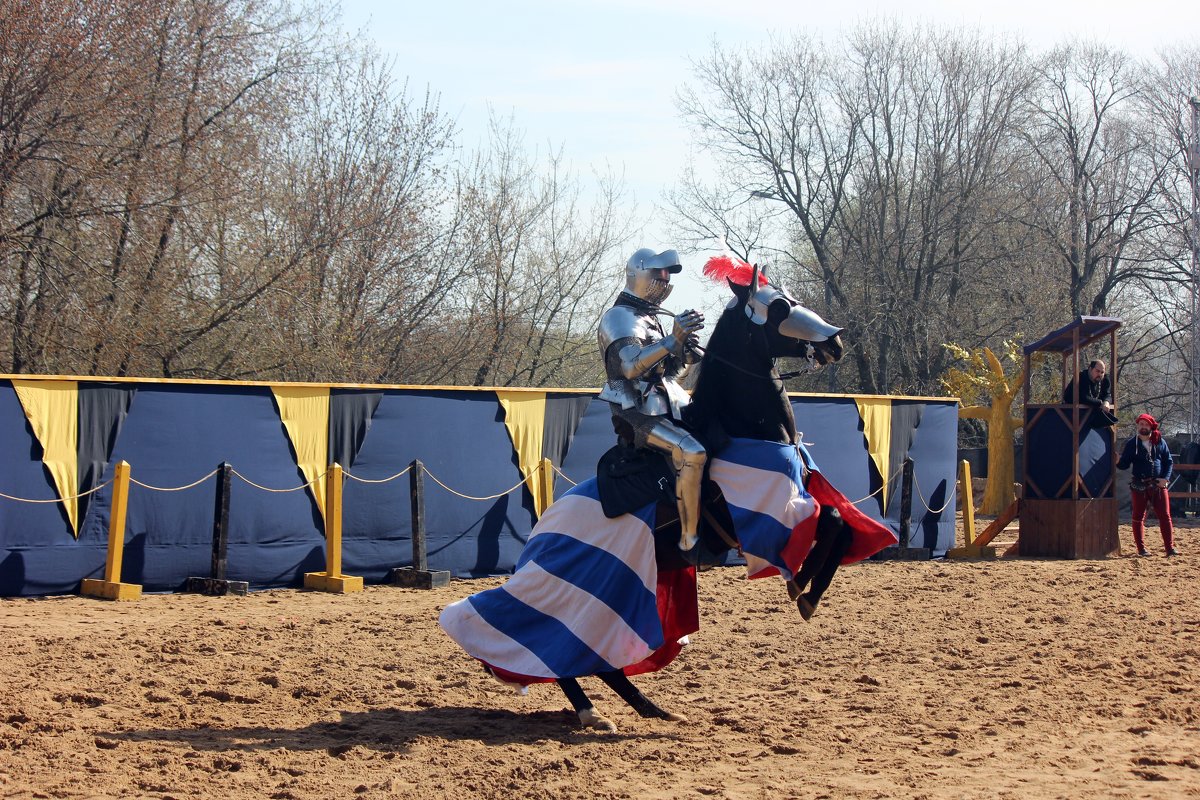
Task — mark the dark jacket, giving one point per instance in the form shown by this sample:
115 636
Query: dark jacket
1091 393
1147 464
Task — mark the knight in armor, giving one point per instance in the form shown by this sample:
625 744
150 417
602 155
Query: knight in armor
643 365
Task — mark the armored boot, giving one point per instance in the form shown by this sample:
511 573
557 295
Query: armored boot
688 477
687 457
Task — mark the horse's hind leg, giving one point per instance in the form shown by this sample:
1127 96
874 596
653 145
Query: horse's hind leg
588 716
619 682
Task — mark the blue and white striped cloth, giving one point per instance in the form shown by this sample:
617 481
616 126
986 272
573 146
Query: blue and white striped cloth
582 599
775 518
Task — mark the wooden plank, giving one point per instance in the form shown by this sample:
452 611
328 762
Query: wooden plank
1096 530
1069 528
1042 525
998 524
968 503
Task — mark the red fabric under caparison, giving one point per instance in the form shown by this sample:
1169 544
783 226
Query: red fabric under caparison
678 611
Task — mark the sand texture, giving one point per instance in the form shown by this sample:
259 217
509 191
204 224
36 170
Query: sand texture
1012 678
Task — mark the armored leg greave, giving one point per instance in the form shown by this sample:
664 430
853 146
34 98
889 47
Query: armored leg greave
687 457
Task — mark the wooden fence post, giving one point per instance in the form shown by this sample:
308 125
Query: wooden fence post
970 548
215 583
906 487
332 579
111 587
902 551
418 576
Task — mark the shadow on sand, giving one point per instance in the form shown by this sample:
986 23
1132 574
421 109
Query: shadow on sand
388 730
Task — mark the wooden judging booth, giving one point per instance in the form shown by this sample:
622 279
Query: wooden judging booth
1069 504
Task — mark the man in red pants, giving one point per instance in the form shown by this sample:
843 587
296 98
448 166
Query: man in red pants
1147 453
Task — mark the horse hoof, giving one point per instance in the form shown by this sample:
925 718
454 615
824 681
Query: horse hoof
686 542
793 590
651 710
807 609
590 718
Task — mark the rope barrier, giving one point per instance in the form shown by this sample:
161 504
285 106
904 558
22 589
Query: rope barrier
489 497
880 489
404 471
279 491
295 488
562 475
57 499
920 495
352 477
135 481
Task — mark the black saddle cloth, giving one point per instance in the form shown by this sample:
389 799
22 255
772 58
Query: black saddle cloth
629 479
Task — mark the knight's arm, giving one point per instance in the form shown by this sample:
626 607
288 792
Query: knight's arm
634 359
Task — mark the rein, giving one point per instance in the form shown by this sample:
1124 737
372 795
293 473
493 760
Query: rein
701 351
783 376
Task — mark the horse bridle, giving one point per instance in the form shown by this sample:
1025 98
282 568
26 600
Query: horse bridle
783 376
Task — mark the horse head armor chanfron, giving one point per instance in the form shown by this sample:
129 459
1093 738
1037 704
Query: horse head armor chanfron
800 331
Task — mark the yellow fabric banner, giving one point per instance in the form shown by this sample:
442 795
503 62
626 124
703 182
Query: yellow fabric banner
525 419
304 411
876 415
53 411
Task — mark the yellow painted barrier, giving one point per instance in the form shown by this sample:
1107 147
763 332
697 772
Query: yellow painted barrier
111 587
968 504
547 479
332 579
969 549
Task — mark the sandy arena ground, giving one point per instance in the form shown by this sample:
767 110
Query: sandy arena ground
1013 678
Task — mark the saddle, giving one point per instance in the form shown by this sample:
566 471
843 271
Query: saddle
629 479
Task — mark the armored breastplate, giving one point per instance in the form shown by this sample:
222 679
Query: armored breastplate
654 393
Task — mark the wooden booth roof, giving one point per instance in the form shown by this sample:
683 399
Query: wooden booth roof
1063 340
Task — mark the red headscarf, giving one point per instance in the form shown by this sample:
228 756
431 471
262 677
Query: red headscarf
1155 436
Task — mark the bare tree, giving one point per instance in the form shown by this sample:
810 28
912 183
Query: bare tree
129 120
539 261
1156 350
890 157
918 243
353 194
1092 190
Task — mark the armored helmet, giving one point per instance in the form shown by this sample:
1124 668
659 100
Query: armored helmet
648 274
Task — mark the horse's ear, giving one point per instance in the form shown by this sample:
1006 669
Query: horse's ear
742 293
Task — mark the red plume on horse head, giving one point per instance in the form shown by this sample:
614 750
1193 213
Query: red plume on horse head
727 268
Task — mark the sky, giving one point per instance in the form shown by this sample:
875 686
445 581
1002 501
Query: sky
597 78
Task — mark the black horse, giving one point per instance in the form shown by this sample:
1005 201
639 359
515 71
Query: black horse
740 394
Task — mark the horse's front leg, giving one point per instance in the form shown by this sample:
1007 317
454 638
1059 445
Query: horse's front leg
820 582
833 539
588 716
619 682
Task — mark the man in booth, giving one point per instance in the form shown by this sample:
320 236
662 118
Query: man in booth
1095 393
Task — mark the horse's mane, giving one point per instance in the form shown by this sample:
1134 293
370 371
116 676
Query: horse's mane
721 345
